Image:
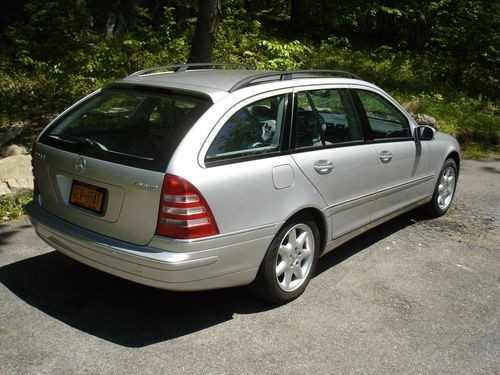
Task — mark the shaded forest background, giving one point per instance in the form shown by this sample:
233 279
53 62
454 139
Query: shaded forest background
441 55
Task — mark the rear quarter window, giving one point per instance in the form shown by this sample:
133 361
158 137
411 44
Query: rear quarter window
252 130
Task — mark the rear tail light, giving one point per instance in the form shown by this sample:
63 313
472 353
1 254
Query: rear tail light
184 213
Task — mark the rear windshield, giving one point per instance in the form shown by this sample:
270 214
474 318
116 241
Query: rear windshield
136 128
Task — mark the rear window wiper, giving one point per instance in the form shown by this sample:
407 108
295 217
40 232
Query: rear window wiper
79 140
91 143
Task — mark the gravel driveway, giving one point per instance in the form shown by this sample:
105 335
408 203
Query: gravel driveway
412 296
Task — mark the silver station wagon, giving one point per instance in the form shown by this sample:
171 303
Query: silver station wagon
201 176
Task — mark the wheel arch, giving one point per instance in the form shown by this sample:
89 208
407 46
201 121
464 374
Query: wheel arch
318 218
456 157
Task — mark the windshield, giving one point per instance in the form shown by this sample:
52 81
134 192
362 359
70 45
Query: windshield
137 128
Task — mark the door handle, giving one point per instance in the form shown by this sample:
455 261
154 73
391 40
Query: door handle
385 156
323 166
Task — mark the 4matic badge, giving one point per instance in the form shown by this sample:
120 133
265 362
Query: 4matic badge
142 185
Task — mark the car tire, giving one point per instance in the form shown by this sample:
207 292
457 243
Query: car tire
289 263
444 190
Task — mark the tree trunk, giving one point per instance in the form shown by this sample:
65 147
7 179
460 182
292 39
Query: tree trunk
209 14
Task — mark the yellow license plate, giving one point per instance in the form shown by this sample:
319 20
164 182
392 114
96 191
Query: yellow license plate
87 196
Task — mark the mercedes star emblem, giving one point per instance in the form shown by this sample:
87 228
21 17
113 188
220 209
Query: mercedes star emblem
80 164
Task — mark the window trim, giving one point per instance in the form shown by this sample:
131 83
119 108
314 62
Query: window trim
283 142
366 122
307 90
158 165
286 146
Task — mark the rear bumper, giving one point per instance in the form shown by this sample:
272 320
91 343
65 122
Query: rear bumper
219 262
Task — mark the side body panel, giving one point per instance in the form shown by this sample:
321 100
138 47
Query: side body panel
403 166
243 194
404 178
349 188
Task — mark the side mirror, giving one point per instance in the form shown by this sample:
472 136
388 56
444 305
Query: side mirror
424 133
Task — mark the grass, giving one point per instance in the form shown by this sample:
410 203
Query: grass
475 123
12 207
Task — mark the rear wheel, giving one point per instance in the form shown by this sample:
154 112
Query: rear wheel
444 190
289 262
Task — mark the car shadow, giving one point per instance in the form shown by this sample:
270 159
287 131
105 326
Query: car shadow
7 231
115 309
133 315
367 239
491 169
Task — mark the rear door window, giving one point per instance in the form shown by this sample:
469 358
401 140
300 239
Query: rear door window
324 118
136 128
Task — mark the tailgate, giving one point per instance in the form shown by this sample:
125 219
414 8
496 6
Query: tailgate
108 198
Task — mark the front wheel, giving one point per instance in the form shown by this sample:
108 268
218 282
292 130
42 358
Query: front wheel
444 190
289 262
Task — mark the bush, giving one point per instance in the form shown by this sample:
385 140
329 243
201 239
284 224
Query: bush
36 85
58 55
473 122
11 207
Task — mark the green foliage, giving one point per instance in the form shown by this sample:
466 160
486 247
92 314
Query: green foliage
53 29
75 48
147 46
382 66
475 123
283 56
11 207
458 39
55 63
237 40
244 40
447 49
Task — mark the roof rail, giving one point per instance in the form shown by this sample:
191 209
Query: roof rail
184 67
286 75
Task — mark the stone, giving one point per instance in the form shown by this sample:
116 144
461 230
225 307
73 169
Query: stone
12 150
15 174
412 106
4 189
10 133
423 119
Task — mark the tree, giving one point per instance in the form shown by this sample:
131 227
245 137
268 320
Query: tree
295 19
209 14
12 11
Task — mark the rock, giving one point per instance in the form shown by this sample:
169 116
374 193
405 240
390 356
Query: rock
15 174
413 106
4 189
423 119
12 150
10 133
